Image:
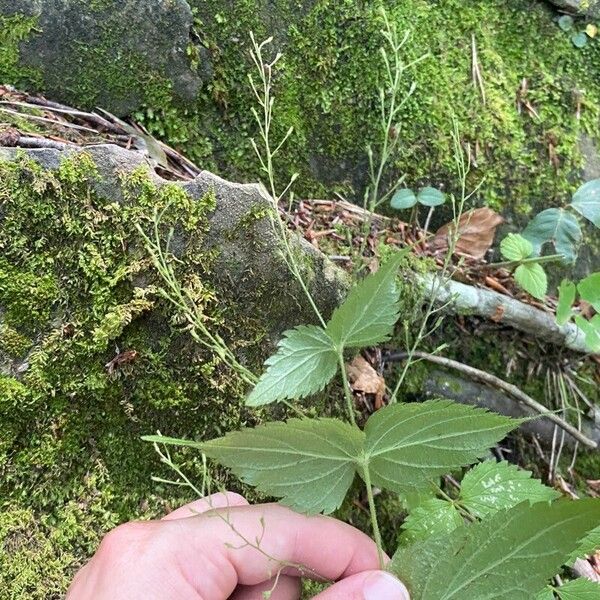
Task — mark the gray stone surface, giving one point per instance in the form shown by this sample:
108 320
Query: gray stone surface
249 267
105 53
587 8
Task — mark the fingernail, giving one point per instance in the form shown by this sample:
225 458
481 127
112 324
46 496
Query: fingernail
383 586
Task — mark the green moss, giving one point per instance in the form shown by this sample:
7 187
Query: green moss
14 30
75 274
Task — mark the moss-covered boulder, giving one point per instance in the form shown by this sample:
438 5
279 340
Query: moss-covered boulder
100 52
92 356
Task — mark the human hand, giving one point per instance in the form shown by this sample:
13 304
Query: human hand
207 550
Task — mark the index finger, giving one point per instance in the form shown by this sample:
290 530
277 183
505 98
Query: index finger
251 544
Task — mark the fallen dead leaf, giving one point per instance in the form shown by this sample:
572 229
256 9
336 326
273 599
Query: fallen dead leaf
476 230
364 379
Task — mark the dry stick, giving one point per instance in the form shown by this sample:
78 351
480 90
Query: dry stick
492 380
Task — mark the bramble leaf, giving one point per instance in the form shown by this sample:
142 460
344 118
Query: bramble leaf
589 290
491 486
429 196
305 363
370 311
579 589
591 329
557 226
589 544
566 296
532 278
404 198
586 201
308 463
433 517
508 556
410 444
515 247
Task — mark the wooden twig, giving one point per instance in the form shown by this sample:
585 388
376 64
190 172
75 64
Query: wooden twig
508 388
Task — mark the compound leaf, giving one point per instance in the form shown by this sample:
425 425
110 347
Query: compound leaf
508 556
557 226
491 486
433 517
589 290
305 362
579 589
515 247
586 201
369 313
404 198
409 444
429 196
308 463
532 278
566 296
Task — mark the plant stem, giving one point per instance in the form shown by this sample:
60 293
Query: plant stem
531 259
373 514
347 388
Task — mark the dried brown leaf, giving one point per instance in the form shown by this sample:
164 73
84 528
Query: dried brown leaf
364 379
476 230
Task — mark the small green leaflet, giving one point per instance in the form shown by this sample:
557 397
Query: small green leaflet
589 545
410 444
433 517
404 198
589 290
545 594
566 296
591 329
566 22
491 486
508 556
579 589
579 39
305 363
429 196
586 201
532 278
308 463
370 311
557 226
515 247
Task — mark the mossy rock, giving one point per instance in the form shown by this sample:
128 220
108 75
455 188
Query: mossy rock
585 8
92 357
102 53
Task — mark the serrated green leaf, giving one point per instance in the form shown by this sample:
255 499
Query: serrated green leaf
410 444
545 594
586 201
308 463
404 198
515 247
566 22
491 486
579 589
429 196
555 226
588 546
591 329
509 556
532 278
566 296
433 517
304 364
370 311
589 290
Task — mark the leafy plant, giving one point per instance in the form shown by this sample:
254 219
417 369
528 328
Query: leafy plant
579 38
555 226
427 196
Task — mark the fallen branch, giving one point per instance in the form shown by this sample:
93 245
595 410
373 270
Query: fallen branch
508 388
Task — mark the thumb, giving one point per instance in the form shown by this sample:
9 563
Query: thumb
368 585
